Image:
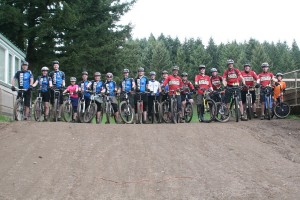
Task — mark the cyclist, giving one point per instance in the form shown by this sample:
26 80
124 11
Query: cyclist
202 83
155 90
216 82
110 89
97 86
141 83
232 78
57 80
264 79
175 85
250 78
43 82
25 81
279 89
127 85
166 88
83 87
73 89
187 87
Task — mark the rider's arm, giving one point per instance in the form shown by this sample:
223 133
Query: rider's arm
159 88
166 81
35 83
63 80
224 81
66 90
133 84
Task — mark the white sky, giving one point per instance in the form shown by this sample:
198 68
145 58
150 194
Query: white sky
224 20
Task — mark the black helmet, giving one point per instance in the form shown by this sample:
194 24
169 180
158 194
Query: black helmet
184 74
202 66
164 72
85 73
230 61
141 69
55 62
265 64
175 68
247 64
125 70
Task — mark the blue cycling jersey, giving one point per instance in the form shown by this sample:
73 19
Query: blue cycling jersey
126 85
23 78
57 78
110 88
166 87
83 86
97 86
141 83
43 83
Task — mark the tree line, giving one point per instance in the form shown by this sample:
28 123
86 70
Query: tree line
86 35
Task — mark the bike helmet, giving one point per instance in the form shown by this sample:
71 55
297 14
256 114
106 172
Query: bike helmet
164 72
265 64
202 66
126 71
184 74
230 61
97 74
175 68
109 75
55 62
141 69
279 74
213 70
45 68
25 63
152 73
85 73
72 79
247 64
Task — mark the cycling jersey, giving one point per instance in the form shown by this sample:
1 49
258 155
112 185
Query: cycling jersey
278 89
97 86
187 87
166 87
83 86
154 87
23 78
232 76
57 78
203 82
72 90
174 82
216 82
126 85
141 83
43 83
110 88
265 78
249 77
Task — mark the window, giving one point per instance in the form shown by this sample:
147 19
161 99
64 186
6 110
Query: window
10 67
17 64
2 64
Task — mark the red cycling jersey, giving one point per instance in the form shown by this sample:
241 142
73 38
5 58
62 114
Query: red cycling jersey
232 77
265 78
216 82
174 83
187 86
249 77
203 82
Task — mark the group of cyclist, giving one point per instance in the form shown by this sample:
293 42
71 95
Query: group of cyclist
149 88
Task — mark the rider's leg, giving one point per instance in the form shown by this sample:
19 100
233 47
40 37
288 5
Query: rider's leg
145 101
27 99
46 114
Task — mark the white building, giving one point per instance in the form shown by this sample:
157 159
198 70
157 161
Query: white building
10 62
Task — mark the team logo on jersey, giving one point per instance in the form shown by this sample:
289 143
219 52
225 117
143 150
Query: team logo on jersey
232 76
174 82
216 82
265 78
203 82
21 79
248 78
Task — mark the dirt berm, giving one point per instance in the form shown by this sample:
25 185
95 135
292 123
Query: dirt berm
245 160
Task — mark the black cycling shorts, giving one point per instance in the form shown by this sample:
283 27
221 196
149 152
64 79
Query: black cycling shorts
45 96
27 97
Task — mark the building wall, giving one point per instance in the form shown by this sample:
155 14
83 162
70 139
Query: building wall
10 62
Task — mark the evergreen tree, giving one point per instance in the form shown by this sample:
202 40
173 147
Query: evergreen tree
160 57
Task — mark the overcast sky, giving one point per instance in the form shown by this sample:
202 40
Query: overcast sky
224 20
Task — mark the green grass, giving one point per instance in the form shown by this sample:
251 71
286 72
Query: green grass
296 117
4 118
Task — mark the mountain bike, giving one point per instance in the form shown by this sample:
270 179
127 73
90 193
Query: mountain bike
81 108
207 110
19 108
249 103
91 110
188 110
165 110
222 111
56 108
109 111
140 107
268 101
38 109
234 107
126 110
174 106
156 114
67 108
281 108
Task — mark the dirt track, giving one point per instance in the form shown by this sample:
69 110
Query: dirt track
245 160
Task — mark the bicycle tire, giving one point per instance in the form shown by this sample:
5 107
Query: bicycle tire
164 112
140 112
249 109
126 113
67 111
188 112
90 113
236 109
19 110
208 114
174 111
108 112
222 112
54 111
37 110
80 113
282 110
268 108
155 113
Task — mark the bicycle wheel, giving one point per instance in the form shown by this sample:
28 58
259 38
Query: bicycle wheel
37 110
268 111
208 111
174 111
80 111
236 109
164 112
249 109
222 112
55 110
108 112
155 113
188 112
282 110
90 113
140 112
126 112
19 110
67 111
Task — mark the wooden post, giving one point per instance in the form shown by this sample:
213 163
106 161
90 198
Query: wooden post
296 89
